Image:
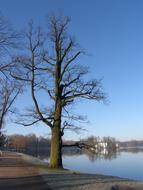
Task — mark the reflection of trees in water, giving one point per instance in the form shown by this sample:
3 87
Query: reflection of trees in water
133 150
91 156
110 155
42 154
71 151
45 153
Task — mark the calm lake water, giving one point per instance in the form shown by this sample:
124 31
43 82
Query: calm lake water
127 164
123 164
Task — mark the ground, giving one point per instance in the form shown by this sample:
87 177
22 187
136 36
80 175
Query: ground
20 171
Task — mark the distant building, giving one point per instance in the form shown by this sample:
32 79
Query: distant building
103 147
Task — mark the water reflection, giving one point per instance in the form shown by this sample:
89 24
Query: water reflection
69 152
133 150
107 155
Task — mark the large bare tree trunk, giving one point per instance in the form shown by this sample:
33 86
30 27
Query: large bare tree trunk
56 140
56 148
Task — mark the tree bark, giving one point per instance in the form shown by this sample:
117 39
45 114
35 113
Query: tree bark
56 149
56 140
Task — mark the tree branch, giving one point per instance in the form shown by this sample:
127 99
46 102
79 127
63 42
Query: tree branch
68 63
34 98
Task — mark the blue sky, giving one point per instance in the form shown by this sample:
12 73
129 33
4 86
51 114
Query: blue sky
111 32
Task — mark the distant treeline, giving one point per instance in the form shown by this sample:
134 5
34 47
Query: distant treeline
34 145
132 143
31 144
27 144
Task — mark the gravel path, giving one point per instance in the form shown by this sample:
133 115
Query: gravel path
24 183
90 182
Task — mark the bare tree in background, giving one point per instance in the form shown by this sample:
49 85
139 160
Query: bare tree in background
9 91
51 65
9 40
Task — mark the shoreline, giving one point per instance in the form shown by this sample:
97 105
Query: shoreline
22 169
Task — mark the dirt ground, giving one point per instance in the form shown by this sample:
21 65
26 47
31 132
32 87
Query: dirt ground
13 165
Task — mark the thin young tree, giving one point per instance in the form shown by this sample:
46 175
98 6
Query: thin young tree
51 64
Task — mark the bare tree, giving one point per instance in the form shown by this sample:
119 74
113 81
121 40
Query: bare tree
8 87
9 40
57 72
9 91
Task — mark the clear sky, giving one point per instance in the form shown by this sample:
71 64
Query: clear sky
111 32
